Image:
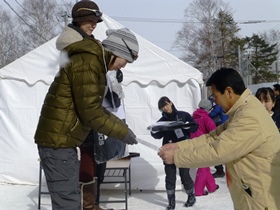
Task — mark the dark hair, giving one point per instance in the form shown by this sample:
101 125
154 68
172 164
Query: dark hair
264 92
162 102
224 77
276 87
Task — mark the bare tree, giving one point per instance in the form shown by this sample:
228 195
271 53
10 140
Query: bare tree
9 42
40 21
205 34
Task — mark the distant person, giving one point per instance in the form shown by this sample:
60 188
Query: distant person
170 113
219 117
73 104
217 113
276 89
248 142
267 98
204 177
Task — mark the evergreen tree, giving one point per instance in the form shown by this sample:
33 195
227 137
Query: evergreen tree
226 40
206 36
262 55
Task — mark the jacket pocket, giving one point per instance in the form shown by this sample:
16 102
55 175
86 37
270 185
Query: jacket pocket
247 189
55 165
78 132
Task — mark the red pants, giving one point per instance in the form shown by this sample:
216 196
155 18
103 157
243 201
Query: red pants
87 164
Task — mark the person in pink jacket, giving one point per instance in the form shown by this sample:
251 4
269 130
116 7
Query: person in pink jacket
204 178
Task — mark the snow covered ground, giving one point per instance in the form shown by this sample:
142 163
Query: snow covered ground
15 197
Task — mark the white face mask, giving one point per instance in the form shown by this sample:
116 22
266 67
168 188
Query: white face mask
113 83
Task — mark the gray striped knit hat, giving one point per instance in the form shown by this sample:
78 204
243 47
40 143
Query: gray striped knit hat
122 43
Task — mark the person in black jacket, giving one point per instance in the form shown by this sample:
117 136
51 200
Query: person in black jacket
170 113
276 89
266 96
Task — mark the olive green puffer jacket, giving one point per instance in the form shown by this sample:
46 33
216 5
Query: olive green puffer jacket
73 103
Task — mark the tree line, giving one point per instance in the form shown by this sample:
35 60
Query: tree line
208 39
26 26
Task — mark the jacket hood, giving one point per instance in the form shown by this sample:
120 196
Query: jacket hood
200 113
68 36
86 46
74 41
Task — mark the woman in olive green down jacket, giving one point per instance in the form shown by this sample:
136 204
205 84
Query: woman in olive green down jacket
84 22
72 108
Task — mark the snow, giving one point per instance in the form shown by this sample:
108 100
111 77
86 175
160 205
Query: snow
25 197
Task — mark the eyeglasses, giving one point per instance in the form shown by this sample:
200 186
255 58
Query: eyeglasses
97 13
133 55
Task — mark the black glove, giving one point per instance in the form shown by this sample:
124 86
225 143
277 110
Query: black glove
130 138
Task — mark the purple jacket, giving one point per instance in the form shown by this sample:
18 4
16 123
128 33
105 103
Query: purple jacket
205 123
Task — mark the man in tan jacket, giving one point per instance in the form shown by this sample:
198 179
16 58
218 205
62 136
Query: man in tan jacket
248 143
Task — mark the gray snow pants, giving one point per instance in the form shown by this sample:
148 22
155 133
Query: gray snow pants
61 168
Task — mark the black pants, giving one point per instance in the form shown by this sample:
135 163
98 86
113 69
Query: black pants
100 172
170 178
219 168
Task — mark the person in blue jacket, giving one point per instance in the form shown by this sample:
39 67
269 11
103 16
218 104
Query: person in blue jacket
219 117
170 113
217 113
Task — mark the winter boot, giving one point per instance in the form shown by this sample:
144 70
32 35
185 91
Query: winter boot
88 194
191 200
96 207
219 172
171 199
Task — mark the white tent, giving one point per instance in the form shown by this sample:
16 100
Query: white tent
24 83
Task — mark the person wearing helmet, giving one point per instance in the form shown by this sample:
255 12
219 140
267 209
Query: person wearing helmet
72 106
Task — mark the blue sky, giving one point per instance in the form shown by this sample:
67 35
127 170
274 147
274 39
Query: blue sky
164 34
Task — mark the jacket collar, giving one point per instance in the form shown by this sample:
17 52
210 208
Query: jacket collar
70 35
244 98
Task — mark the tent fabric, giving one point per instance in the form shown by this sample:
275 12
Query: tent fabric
24 83
150 55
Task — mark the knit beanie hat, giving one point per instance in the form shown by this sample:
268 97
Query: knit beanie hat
85 10
205 104
122 43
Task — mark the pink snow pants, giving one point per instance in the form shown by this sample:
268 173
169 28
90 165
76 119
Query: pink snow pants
203 179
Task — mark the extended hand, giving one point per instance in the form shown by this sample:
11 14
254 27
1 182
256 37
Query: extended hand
170 146
166 152
167 156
